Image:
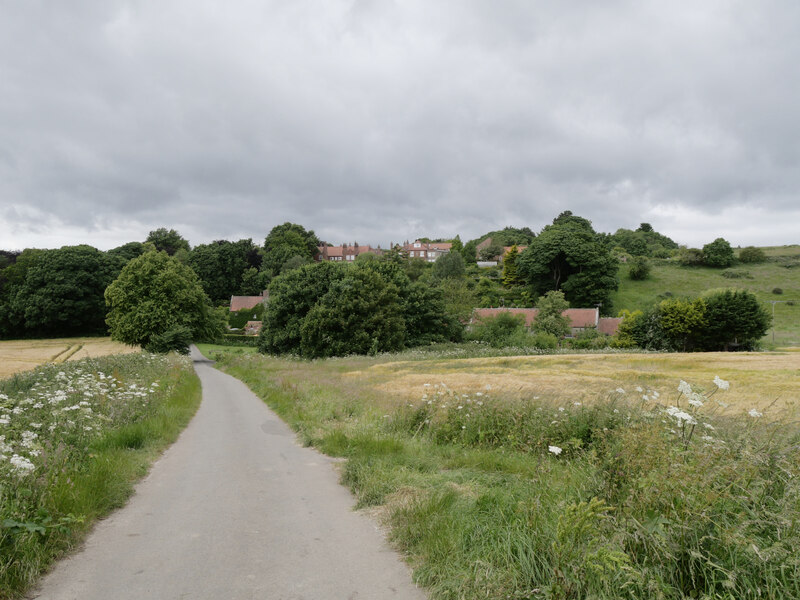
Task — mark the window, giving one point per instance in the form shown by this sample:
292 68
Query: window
417 245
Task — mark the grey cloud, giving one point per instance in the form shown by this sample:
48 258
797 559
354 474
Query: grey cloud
379 121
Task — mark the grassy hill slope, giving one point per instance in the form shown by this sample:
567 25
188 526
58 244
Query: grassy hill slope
782 270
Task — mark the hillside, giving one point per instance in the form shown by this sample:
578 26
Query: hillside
782 270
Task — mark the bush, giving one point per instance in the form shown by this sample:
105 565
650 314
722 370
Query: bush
640 269
751 254
176 339
718 254
589 339
498 331
777 290
690 257
238 319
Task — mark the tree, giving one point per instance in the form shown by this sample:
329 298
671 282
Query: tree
569 256
154 298
12 322
498 331
645 227
690 257
286 241
170 241
718 254
751 254
456 245
62 292
459 298
298 261
360 314
449 266
292 296
681 321
510 273
551 318
127 252
254 282
221 266
734 319
639 269
425 317
491 252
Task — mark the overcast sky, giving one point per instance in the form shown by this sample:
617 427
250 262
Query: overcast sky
379 121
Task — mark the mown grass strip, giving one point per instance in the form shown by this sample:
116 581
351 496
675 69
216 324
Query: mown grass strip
44 518
70 353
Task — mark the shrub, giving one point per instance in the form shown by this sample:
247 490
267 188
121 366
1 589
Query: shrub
777 290
718 254
751 254
640 269
690 257
498 331
590 339
176 339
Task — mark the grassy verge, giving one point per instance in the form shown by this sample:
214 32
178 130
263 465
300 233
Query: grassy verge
545 497
74 439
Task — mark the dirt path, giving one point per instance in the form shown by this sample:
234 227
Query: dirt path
235 509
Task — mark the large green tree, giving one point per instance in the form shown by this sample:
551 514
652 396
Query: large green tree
168 240
291 296
449 266
285 242
221 266
551 318
360 314
62 292
157 297
735 319
569 256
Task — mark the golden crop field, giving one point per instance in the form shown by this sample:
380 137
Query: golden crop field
22 355
757 379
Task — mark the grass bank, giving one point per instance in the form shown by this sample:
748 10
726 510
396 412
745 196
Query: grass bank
74 439
642 493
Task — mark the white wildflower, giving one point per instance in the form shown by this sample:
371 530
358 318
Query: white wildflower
721 383
639 389
21 464
576 403
695 400
754 413
681 416
620 390
555 450
709 426
684 388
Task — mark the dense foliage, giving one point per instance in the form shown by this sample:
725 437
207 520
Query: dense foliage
718 254
330 309
751 254
167 240
221 266
285 242
569 256
643 242
156 295
718 320
52 293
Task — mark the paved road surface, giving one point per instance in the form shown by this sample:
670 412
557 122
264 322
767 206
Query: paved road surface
235 509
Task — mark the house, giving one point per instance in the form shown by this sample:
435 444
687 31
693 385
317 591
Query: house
240 302
427 251
489 242
345 252
252 327
581 319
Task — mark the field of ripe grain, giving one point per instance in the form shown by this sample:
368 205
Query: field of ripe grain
23 355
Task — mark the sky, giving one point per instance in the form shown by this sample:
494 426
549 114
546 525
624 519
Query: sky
381 121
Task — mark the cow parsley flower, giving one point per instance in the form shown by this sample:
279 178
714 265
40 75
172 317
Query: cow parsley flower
21 464
555 450
684 388
754 413
721 383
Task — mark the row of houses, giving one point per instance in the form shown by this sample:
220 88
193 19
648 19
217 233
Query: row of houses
427 251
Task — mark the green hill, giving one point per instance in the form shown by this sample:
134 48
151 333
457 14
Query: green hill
781 270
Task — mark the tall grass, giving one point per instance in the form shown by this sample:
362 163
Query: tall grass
637 495
74 439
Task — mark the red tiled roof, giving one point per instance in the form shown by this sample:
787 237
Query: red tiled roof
579 317
608 325
240 302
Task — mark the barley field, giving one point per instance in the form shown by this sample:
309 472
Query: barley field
23 355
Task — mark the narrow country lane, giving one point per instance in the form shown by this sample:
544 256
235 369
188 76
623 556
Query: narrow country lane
235 509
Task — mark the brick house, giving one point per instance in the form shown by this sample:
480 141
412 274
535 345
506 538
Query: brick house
581 319
240 302
427 251
488 242
252 328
